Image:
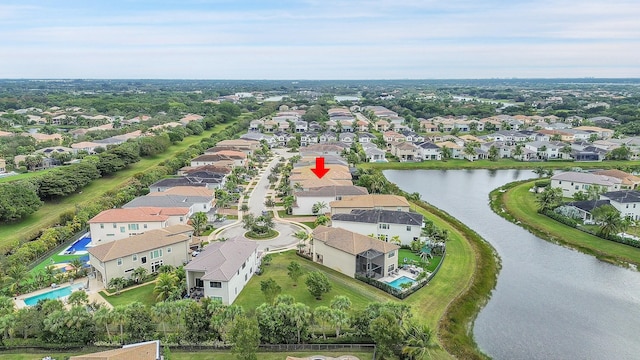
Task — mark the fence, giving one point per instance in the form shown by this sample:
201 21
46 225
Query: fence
58 248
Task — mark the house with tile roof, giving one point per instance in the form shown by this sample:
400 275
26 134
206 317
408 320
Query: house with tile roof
116 224
571 182
150 250
326 194
629 181
222 269
149 350
369 202
351 253
405 151
384 224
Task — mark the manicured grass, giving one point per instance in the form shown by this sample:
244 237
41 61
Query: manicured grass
409 255
143 294
454 164
50 212
23 176
310 224
270 235
520 205
177 354
360 293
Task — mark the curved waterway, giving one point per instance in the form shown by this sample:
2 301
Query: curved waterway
550 302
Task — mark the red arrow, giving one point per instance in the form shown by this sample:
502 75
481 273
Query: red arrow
320 170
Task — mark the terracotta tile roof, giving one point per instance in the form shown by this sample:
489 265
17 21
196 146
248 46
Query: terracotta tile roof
138 214
143 351
627 179
149 240
316 183
333 190
370 201
350 242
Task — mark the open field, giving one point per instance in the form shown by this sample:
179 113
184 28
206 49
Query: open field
520 204
454 164
50 212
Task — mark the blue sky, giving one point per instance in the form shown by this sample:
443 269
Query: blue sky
319 39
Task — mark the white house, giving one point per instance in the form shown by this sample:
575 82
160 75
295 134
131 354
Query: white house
429 151
351 253
326 194
116 224
223 269
571 182
625 201
168 246
368 202
384 224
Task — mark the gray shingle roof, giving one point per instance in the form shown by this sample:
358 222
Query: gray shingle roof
380 216
221 260
588 205
167 201
628 196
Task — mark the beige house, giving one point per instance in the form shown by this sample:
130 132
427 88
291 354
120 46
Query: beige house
405 151
369 202
116 224
351 253
629 181
3 166
246 146
149 350
168 246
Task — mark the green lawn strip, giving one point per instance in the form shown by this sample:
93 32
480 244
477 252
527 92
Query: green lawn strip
446 296
520 205
177 354
360 293
56 259
23 176
143 294
310 224
50 212
454 164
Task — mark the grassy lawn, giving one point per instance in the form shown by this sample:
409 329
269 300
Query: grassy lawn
454 164
23 176
413 258
143 294
50 212
521 204
54 259
360 293
310 224
184 355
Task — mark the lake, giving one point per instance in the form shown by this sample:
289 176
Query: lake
550 302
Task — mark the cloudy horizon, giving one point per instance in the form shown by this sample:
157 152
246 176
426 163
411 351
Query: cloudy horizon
329 39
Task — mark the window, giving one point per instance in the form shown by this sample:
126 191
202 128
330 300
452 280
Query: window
121 229
111 234
115 226
119 261
408 228
155 254
245 277
215 284
216 298
128 270
391 267
236 291
244 265
391 254
168 250
627 206
143 259
199 282
181 218
145 226
133 226
384 226
101 226
134 257
156 265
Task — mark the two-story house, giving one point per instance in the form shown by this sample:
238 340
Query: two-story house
384 224
571 182
305 200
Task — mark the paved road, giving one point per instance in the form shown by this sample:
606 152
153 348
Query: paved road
256 205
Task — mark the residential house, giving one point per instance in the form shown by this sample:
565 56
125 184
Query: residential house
365 137
117 224
382 125
428 151
504 151
546 149
582 210
384 224
203 179
308 138
150 250
334 149
244 145
303 174
411 136
625 201
347 125
185 191
369 202
149 350
3 166
602 133
629 181
328 136
374 154
347 138
256 125
236 158
571 182
194 203
456 150
223 269
351 253
258 137
305 200
405 151
301 126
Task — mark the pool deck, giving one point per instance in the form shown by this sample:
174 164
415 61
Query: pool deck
95 287
401 273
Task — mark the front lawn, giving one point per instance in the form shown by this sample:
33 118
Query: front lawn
360 293
143 294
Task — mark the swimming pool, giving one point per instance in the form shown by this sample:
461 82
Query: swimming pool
396 284
79 246
53 294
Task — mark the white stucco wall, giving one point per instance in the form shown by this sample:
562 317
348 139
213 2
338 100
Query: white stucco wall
102 233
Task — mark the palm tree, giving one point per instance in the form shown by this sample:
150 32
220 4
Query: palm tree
166 285
300 315
609 219
139 273
549 199
103 317
446 153
340 319
117 284
321 316
341 302
163 311
17 273
418 341
244 208
540 171
77 264
318 207
119 316
199 222
395 239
